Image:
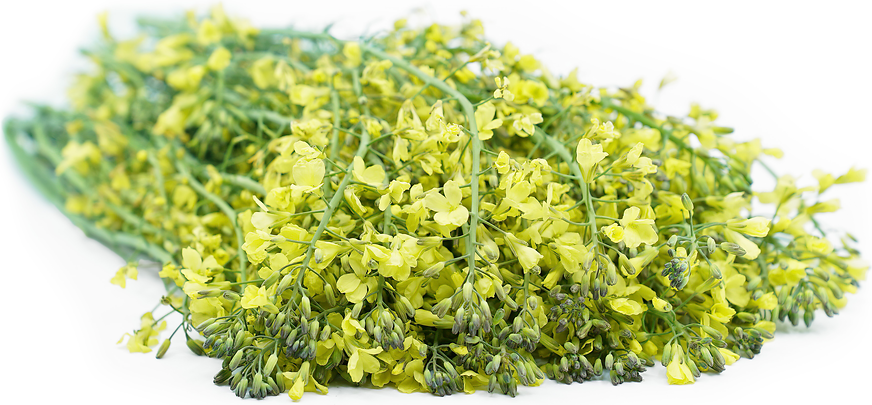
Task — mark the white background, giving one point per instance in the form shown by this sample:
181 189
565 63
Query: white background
795 74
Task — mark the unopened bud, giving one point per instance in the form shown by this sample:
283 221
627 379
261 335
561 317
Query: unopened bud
236 360
196 346
285 283
355 310
712 332
687 203
732 248
305 307
467 291
626 264
270 364
434 270
163 349
230 295
666 357
271 279
430 241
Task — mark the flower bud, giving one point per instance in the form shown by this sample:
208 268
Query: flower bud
732 248
196 346
270 364
711 245
434 271
500 291
305 307
441 308
467 291
210 293
712 332
328 293
271 279
355 310
746 317
626 264
230 295
163 348
285 283
666 356
430 241
687 203
692 366
236 360
611 274
222 377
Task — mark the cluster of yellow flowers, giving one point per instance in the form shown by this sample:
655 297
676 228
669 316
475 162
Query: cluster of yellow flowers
425 210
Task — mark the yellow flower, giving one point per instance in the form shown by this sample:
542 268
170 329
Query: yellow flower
262 72
852 176
636 230
308 177
502 90
197 271
394 193
526 123
362 361
528 63
527 256
142 339
588 156
355 287
530 90
824 206
757 226
254 297
449 208
398 265
127 271
208 32
110 139
373 175
626 306
413 376
819 245
767 301
186 79
484 120
296 391
729 356
80 156
721 312
219 59
825 180
751 248
172 272
735 291
614 232
788 272
353 55
661 305
677 372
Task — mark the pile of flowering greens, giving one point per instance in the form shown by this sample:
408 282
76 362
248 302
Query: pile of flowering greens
424 210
